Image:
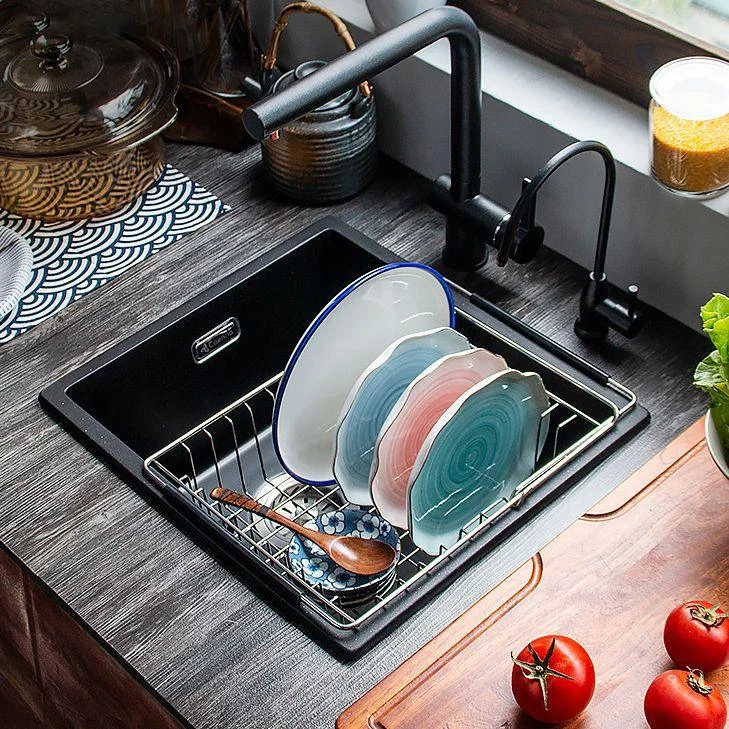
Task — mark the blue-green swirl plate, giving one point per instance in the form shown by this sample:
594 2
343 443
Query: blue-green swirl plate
478 452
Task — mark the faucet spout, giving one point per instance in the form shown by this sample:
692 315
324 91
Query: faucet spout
464 248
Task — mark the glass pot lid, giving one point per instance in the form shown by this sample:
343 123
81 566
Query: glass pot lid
64 96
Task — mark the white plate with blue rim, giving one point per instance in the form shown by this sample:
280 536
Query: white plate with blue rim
346 336
373 396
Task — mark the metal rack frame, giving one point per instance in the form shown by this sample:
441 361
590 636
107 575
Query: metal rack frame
414 564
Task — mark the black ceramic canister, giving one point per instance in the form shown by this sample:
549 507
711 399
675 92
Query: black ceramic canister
328 154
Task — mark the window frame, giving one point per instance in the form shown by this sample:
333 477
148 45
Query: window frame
611 46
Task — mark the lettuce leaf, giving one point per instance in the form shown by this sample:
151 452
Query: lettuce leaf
715 319
712 373
712 376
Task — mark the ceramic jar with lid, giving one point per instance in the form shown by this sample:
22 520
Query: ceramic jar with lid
329 154
80 122
689 120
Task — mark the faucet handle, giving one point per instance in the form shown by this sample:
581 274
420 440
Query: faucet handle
529 236
632 300
604 307
531 212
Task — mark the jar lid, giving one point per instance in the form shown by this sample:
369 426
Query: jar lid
59 96
340 103
694 88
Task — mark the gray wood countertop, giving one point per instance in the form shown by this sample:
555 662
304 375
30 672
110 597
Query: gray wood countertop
214 650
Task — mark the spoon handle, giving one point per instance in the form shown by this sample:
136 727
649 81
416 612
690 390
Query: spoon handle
244 502
240 500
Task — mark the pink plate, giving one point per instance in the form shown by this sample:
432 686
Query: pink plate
412 418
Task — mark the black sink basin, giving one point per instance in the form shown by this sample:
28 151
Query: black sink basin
178 379
156 390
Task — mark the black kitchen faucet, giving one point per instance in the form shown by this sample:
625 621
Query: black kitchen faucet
472 220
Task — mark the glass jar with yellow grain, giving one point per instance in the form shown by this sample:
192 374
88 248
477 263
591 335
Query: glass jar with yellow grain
689 122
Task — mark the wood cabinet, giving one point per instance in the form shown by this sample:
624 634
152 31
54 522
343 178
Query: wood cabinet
54 674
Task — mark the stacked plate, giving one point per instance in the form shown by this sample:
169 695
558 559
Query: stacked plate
384 399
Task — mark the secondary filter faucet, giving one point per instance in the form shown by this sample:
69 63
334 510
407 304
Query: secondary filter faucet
472 220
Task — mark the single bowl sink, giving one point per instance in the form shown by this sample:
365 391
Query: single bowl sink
192 366
186 404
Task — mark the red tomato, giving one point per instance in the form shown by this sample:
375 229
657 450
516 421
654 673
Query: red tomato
697 635
553 679
683 699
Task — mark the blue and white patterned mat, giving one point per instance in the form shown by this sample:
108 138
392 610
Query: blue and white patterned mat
73 259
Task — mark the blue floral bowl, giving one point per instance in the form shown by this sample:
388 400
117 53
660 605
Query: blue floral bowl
320 570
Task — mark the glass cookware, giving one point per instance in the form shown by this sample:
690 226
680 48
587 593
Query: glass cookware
80 122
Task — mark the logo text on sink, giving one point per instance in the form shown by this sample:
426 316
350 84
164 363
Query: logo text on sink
216 340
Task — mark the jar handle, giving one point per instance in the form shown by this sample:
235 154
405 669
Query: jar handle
268 59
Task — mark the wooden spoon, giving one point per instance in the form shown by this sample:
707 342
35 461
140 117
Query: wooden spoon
354 554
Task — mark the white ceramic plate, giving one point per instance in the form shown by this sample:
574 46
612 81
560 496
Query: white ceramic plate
347 335
713 442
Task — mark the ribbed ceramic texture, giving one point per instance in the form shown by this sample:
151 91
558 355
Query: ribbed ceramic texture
412 418
324 165
74 187
16 266
477 453
372 398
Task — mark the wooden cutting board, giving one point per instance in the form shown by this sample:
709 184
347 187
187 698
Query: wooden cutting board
609 581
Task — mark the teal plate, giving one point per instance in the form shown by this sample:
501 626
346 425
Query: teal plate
373 396
479 451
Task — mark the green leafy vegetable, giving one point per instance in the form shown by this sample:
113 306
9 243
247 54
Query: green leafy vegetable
715 318
712 373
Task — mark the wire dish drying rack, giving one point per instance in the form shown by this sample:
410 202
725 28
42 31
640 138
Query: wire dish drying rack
234 449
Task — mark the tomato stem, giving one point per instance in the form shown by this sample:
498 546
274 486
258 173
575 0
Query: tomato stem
540 670
710 617
695 680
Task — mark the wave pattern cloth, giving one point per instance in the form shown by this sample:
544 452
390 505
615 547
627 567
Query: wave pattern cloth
72 259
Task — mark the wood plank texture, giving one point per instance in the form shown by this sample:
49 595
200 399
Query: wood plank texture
609 581
610 46
162 602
